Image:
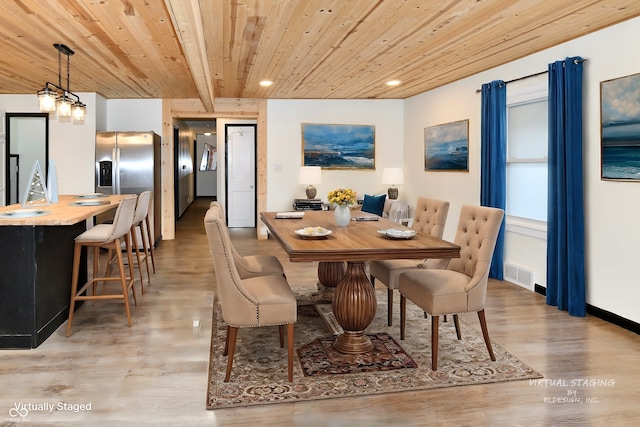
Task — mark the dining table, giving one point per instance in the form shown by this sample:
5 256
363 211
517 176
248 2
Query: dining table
314 236
36 263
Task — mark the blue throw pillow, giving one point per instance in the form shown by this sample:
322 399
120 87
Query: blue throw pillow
374 204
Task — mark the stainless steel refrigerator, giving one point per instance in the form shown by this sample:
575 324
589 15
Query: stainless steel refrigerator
129 163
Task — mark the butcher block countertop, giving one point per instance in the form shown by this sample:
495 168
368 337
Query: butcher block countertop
62 213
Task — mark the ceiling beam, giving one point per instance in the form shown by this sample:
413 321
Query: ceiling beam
188 23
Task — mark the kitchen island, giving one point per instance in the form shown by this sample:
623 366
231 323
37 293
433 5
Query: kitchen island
36 262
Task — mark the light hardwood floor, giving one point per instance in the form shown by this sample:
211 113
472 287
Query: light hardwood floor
155 372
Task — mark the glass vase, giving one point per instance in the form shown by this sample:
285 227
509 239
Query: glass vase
343 215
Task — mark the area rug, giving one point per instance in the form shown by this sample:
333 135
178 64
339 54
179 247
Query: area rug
320 358
259 374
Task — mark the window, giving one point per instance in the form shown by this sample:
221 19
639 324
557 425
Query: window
527 161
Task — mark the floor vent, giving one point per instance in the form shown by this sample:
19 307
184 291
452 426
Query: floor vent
518 275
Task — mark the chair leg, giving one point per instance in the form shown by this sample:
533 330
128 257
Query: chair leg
74 284
131 272
290 351
226 342
403 314
281 331
389 307
485 333
123 279
232 334
134 238
456 321
435 320
153 261
145 247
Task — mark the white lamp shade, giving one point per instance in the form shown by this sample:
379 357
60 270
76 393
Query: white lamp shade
392 176
310 175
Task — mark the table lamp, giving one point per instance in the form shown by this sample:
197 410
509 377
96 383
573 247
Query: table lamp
310 175
392 176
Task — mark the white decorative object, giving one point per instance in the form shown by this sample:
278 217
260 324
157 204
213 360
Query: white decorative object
343 215
52 182
36 193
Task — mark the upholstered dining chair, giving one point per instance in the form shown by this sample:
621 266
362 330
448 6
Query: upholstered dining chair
251 302
110 237
251 265
430 217
462 286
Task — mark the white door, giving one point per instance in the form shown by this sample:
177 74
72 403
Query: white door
241 175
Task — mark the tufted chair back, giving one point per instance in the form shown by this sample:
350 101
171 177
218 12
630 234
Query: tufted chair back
430 216
476 235
239 307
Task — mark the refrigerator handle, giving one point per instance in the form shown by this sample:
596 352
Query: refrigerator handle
116 170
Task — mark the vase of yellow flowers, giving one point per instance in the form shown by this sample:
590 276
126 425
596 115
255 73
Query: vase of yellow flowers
342 198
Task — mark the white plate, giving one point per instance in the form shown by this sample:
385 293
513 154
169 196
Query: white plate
313 233
89 203
91 196
395 233
24 213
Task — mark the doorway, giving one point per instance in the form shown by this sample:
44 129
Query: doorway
27 142
240 174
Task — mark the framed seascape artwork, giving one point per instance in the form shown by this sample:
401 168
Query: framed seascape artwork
446 147
620 127
338 146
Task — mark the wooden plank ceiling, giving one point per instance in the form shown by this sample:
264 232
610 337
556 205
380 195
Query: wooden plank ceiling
310 49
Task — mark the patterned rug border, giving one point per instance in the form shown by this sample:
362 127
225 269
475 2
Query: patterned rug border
244 389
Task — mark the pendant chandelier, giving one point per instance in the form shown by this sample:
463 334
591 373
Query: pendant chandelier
55 96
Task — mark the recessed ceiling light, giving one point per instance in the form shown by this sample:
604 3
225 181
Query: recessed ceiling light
266 83
207 134
393 83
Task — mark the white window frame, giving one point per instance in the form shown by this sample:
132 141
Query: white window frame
524 92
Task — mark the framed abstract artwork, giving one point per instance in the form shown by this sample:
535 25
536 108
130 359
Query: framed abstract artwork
446 147
620 128
338 146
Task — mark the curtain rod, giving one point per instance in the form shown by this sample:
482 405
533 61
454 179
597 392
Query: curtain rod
530 75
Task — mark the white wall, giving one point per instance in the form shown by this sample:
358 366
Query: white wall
134 115
612 227
284 146
71 145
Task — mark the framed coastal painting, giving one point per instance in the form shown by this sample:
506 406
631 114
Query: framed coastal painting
446 147
620 128
338 146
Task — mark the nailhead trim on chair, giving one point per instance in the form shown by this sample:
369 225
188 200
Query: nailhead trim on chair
230 270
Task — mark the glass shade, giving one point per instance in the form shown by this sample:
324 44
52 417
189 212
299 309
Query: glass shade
47 100
64 106
77 111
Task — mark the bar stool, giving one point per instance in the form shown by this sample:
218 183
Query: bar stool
108 236
139 218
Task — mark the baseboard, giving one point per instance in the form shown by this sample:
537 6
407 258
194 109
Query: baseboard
605 315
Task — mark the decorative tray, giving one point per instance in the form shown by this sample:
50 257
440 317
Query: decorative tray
313 233
91 196
397 234
23 213
90 203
